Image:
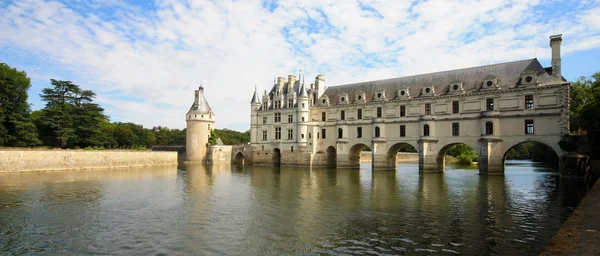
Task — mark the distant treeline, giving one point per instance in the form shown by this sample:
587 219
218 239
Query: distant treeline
71 119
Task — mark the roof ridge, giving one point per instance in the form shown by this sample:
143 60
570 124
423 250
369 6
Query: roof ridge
433 73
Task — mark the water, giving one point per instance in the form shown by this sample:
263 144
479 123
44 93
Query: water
265 210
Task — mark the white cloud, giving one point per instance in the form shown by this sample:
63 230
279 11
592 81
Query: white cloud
159 56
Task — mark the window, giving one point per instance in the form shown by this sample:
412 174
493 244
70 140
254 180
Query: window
378 112
426 130
343 115
340 133
455 129
265 120
277 104
528 126
290 119
277 118
303 105
310 135
323 132
290 103
402 130
427 109
323 117
278 133
264 135
455 107
377 132
292 149
489 128
290 134
302 135
528 101
358 132
489 103
359 114
402 111
302 119
263 148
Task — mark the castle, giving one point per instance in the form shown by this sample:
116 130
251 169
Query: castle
490 108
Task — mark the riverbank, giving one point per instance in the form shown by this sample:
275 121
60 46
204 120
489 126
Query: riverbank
61 160
579 235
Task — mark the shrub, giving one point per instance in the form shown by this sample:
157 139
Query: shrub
101 148
142 148
76 147
465 160
87 148
568 143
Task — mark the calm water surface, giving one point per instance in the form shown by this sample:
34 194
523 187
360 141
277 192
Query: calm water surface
225 210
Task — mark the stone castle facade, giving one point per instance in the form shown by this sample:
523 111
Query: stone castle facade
490 108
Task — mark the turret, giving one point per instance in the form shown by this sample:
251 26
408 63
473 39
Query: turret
200 121
303 114
254 107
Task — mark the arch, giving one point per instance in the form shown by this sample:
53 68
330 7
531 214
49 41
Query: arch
440 161
331 157
276 157
392 153
548 149
354 154
489 128
238 158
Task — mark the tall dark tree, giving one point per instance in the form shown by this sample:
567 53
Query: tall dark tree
16 128
70 115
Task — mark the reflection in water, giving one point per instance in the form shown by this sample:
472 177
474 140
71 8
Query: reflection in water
256 210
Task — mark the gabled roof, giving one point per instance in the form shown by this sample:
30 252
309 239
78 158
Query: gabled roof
507 74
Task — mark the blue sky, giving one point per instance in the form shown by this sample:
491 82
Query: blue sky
144 59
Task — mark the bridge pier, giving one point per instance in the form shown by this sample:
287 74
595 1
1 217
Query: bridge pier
428 156
491 157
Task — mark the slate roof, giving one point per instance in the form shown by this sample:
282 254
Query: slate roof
508 75
201 106
255 97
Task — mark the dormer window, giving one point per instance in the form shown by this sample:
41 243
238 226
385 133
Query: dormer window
380 95
343 98
324 100
360 97
529 77
403 94
456 87
490 82
428 91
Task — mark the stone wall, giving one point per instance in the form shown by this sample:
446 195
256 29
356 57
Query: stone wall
53 160
402 157
219 154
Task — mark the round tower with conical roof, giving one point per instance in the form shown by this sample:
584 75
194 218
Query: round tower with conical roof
200 121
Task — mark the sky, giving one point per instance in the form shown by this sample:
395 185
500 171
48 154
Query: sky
144 59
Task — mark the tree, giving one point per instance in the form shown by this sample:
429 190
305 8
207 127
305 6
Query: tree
70 116
584 105
16 128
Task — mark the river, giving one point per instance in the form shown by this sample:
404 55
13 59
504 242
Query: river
258 210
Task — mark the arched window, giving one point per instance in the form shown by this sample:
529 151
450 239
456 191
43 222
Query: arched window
489 128
377 132
340 133
426 130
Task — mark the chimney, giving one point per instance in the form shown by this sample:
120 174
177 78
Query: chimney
291 80
555 42
280 81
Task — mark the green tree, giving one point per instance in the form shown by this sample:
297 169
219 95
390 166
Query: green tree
16 127
124 136
70 116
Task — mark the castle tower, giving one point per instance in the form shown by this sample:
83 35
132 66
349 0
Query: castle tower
254 107
303 115
200 121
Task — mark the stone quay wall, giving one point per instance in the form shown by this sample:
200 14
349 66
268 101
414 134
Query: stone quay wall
56 160
402 157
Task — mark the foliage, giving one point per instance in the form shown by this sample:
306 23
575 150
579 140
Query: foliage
535 151
16 127
463 153
584 108
568 142
70 117
231 137
405 147
212 138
